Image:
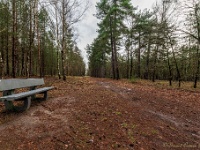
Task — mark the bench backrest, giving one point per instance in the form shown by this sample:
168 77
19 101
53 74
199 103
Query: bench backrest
11 84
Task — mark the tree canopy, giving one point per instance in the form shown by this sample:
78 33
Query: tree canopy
157 44
32 42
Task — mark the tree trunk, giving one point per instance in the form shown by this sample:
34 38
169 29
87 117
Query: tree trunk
42 68
176 64
112 50
14 40
114 44
58 42
155 63
38 38
2 66
22 61
28 65
128 64
131 69
197 54
63 42
139 57
7 48
146 76
116 59
197 70
170 69
177 70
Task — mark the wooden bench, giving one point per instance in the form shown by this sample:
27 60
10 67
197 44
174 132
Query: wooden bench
8 87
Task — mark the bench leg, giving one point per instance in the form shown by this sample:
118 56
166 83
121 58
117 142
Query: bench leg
9 105
33 96
45 95
26 105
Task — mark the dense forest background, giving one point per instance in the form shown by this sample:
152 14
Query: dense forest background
37 38
161 43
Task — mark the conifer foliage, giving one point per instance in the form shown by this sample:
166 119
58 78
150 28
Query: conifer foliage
157 44
31 42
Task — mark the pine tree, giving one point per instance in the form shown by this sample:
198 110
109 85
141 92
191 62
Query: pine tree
112 14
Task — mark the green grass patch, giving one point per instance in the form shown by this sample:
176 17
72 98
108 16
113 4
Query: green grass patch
133 80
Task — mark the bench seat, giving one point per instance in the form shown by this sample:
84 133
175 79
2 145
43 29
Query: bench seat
8 87
25 94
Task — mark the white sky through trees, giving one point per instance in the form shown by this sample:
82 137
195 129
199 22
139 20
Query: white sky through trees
88 26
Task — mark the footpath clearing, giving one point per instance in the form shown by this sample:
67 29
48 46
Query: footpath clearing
91 114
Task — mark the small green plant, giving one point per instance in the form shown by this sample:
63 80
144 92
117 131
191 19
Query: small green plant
154 132
118 113
134 126
124 125
131 136
132 139
133 80
144 133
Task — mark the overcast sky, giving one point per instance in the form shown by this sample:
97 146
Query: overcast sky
88 26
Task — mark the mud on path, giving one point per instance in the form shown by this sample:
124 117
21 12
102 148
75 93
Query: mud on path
91 114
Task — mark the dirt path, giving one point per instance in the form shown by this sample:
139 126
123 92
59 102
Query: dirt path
92 114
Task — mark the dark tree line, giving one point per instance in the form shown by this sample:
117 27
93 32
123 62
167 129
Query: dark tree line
162 43
31 42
